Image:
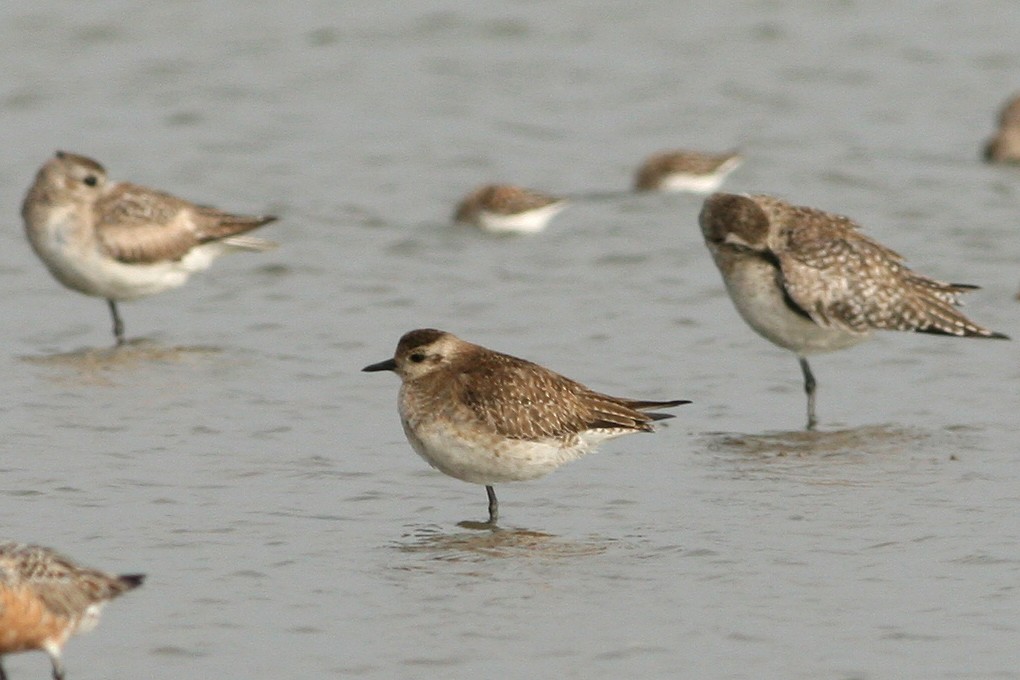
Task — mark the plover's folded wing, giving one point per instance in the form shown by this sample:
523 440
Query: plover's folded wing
140 225
528 401
841 278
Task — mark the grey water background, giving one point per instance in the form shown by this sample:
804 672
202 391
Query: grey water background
239 457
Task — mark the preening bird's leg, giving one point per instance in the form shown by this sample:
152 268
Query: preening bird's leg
118 324
809 388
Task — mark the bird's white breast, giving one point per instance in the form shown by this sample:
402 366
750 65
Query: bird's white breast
758 297
527 222
486 458
75 257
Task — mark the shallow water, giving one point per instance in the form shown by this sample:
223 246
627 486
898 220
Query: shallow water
236 454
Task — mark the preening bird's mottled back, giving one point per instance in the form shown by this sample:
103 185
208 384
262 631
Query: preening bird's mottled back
833 272
810 281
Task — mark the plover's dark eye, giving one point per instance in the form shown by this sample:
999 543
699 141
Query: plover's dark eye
417 357
91 180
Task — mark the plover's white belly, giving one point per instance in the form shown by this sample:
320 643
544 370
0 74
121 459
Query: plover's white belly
527 222
482 457
698 184
85 268
752 285
90 618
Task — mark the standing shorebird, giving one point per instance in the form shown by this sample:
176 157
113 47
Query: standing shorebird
121 241
810 282
1004 146
486 417
45 598
505 208
691 171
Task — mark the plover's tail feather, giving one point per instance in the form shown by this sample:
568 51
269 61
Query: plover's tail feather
130 581
642 405
251 243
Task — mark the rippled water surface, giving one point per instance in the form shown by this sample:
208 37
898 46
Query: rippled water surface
235 452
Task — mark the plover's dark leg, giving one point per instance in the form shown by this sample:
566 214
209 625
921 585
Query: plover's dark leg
118 324
493 504
809 388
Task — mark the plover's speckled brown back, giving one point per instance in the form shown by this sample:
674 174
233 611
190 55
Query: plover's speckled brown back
486 417
45 598
810 281
691 171
505 208
122 241
1004 146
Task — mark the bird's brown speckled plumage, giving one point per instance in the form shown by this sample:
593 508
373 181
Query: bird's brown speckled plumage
486 417
45 598
836 274
810 281
520 399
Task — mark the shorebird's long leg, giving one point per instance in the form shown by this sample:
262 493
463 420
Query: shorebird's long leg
118 324
809 388
493 504
3 673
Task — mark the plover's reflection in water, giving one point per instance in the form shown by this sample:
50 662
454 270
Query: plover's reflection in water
495 543
99 365
868 456
818 444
